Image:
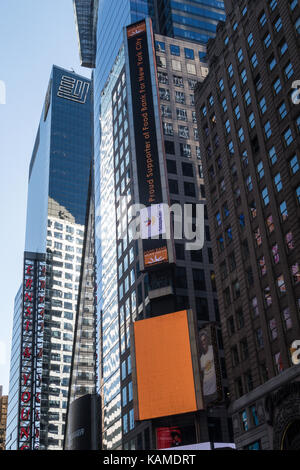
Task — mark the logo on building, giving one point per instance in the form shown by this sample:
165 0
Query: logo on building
73 89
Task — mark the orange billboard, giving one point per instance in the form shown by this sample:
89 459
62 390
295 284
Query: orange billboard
166 372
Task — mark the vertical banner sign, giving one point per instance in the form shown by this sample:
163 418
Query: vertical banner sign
209 364
147 158
31 353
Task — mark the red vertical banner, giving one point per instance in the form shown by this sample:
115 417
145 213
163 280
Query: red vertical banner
34 284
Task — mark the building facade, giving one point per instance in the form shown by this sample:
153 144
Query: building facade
45 307
194 273
248 121
3 418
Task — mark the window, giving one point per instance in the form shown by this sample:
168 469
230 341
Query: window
273 155
189 189
224 104
180 97
235 356
278 24
178 81
244 76
288 137
237 112
176 65
262 266
250 40
254 60
163 78
161 62
253 211
283 47
254 307
181 114
247 98
282 110
281 284
185 150
227 125
271 63
293 4
257 236
298 194
168 128
241 134
278 182
287 318
166 111
175 50
240 55
164 94
221 85
268 130
234 90
189 53
199 279
289 241
295 273
251 120
262 19
249 183
265 196
171 166
183 132
283 211
275 253
267 40
288 71
260 170
231 148
160 46
259 338
277 86
202 56
230 71
173 186
230 326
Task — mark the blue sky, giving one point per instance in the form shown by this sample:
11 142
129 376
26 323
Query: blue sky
34 35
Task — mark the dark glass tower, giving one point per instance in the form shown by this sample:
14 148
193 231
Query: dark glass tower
45 306
194 21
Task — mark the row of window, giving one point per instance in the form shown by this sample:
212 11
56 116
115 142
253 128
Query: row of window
178 81
176 51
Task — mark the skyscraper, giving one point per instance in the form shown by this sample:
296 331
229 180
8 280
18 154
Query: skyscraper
249 123
124 293
45 305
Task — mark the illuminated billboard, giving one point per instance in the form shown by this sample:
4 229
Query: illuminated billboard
34 282
166 371
209 364
149 152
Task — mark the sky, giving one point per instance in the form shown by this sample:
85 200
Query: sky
34 35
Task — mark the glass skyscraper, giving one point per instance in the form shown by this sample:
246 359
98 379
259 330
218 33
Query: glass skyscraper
45 306
193 21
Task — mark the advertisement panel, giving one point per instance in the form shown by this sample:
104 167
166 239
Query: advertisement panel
166 373
209 363
34 282
155 251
